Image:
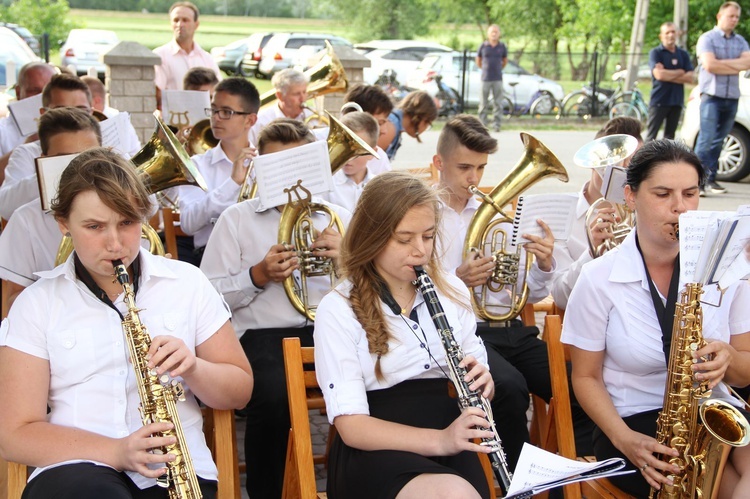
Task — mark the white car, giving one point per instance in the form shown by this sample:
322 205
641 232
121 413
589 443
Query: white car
281 49
84 49
400 57
734 162
14 51
449 65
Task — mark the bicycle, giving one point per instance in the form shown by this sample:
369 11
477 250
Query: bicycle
635 107
542 102
446 99
580 102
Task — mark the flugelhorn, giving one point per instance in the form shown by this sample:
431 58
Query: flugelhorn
162 163
483 236
612 150
296 225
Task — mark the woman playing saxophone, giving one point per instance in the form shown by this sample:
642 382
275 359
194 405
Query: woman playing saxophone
382 366
619 322
63 346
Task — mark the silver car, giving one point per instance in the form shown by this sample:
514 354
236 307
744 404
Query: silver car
734 162
84 47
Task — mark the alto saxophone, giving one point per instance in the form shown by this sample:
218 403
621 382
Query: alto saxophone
703 433
466 397
159 396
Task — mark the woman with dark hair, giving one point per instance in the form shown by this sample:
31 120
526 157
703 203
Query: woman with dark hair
413 115
63 347
380 360
620 315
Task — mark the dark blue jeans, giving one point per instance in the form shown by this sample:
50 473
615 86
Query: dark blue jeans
717 119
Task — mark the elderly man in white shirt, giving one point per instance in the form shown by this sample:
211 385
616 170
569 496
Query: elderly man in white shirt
182 52
291 95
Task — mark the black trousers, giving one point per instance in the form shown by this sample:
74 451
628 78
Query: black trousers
657 115
268 423
89 481
519 365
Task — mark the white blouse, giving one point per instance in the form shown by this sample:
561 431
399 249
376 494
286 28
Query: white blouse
611 310
345 368
92 383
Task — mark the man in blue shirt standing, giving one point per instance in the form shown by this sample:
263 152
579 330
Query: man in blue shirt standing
670 70
492 57
722 54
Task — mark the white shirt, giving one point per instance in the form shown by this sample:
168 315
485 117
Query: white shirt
241 238
450 247
611 310
267 115
28 244
20 185
92 383
379 165
571 255
10 136
199 209
346 191
175 62
345 368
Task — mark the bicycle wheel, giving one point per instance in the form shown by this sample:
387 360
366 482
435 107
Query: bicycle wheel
545 104
625 109
507 108
577 104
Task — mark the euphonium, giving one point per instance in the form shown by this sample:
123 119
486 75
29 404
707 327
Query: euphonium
296 227
199 138
537 163
703 431
159 396
162 163
600 153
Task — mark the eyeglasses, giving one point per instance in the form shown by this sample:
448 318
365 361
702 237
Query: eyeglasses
224 114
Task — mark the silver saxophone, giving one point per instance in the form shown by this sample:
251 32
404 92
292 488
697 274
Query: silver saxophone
466 397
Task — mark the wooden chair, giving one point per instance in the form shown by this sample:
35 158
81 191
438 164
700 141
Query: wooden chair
171 230
304 394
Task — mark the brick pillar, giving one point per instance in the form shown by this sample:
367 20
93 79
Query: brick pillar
354 64
129 80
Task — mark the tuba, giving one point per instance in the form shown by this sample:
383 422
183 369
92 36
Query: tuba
703 433
296 225
162 163
537 163
600 153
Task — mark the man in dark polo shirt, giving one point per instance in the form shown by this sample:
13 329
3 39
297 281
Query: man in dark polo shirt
670 70
492 57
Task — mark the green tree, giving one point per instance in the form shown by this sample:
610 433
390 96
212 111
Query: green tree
382 19
41 16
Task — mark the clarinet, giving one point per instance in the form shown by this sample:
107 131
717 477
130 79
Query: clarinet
466 397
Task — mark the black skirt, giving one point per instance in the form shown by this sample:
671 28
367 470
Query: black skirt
353 473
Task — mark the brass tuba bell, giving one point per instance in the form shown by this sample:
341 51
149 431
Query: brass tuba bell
536 163
161 163
612 150
199 138
296 224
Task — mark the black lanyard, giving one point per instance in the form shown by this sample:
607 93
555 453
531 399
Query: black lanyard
86 278
665 314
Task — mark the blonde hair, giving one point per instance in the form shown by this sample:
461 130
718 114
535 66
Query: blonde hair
383 204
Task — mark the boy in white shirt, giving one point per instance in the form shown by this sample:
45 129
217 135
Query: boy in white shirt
374 101
349 181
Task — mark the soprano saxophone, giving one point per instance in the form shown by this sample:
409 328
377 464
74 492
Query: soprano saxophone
159 396
702 431
466 397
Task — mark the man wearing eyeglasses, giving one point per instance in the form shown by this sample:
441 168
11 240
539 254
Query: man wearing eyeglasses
233 112
20 185
291 95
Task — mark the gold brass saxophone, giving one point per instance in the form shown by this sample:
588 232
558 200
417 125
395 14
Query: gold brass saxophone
703 433
483 236
296 225
162 163
159 396
600 153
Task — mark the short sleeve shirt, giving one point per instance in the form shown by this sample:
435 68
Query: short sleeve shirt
492 60
667 93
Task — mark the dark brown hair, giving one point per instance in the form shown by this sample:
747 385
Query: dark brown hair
66 82
419 107
468 131
65 120
286 131
197 77
189 5
371 98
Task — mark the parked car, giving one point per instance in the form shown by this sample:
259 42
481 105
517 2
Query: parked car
449 65
400 56
281 49
84 47
13 49
26 35
241 57
734 162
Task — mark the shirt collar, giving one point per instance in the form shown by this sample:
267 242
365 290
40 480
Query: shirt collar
218 155
628 264
583 205
340 178
151 266
721 32
472 204
175 48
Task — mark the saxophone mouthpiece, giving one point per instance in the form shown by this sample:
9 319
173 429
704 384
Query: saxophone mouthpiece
121 273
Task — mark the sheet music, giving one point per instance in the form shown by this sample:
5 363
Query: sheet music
556 210
48 171
613 184
184 107
281 170
736 234
738 270
25 113
693 227
114 132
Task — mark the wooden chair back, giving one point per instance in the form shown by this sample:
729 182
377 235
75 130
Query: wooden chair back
218 426
172 229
